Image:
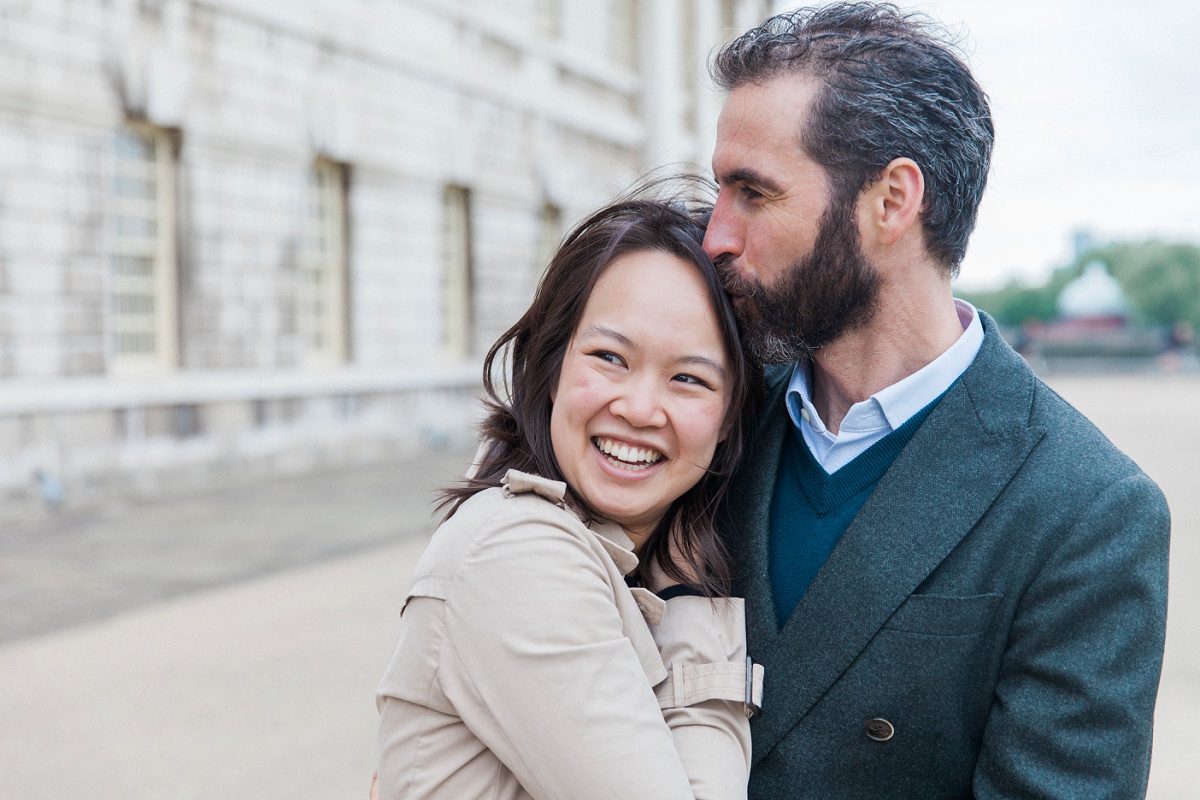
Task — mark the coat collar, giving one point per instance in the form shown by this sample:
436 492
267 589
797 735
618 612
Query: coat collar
956 464
612 536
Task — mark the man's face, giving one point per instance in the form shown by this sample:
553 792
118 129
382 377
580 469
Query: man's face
788 249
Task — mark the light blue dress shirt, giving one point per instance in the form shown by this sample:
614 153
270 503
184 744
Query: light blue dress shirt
872 419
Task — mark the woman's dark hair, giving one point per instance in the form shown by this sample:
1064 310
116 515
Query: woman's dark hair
521 371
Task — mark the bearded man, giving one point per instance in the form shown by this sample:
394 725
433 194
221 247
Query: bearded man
956 584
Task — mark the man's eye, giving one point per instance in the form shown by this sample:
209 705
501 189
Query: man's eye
751 194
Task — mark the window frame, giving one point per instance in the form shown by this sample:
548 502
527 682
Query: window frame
323 293
122 211
457 274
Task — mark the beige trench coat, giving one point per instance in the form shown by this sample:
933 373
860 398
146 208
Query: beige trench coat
525 667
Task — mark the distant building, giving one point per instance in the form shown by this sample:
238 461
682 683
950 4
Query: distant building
1094 299
237 233
1092 329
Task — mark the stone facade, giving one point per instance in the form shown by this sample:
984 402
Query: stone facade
534 111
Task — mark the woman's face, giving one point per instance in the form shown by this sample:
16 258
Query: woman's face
641 398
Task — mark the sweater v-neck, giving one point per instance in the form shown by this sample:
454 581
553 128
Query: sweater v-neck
811 509
827 492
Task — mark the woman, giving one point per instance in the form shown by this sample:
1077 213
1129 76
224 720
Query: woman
534 659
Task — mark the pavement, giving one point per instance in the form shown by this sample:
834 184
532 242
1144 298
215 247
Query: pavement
227 644
84 563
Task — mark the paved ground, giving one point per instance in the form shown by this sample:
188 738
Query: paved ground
80 565
227 645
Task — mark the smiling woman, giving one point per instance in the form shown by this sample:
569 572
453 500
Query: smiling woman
568 631
643 391
632 280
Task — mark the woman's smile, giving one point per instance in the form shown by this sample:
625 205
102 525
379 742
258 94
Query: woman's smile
631 458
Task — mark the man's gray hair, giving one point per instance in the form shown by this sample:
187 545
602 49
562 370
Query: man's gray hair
893 85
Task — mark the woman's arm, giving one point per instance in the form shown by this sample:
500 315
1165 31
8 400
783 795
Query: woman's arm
703 645
540 666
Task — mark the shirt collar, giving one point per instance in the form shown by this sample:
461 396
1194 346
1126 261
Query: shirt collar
893 406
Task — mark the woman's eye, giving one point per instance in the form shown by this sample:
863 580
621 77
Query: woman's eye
605 355
692 379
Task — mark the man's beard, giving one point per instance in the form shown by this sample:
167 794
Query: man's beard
827 293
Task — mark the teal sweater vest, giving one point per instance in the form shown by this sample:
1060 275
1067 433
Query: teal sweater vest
811 509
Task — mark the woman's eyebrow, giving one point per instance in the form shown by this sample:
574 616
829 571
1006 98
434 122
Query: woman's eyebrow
704 361
600 330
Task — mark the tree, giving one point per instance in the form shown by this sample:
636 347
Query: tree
1160 280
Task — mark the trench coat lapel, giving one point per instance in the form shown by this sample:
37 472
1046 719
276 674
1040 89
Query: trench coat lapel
939 487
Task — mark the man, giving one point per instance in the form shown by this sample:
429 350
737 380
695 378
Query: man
956 584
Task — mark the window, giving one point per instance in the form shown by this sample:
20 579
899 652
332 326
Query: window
456 272
738 16
549 234
690 65
323 307
142 304
729 18
624 33
549 18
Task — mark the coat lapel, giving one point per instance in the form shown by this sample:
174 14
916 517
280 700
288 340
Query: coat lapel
943 482
747 527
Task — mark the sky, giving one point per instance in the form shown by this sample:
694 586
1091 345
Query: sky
1097 111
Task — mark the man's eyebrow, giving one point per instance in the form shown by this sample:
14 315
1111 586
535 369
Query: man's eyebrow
747 175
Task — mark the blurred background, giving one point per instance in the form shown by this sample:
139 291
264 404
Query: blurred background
252 252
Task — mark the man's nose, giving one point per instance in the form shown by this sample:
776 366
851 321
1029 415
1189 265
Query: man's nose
640 403
723 236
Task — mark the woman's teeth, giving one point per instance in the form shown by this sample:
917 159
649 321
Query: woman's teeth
626 456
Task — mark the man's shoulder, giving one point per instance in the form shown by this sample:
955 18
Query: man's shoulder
1006 394
1073 443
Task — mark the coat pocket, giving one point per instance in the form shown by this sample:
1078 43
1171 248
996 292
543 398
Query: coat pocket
939 615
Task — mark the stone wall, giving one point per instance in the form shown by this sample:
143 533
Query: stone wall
410 96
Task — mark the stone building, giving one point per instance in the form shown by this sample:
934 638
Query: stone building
270 234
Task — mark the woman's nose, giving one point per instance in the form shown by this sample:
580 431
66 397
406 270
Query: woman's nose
640 404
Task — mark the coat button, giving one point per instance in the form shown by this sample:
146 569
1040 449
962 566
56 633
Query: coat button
879 730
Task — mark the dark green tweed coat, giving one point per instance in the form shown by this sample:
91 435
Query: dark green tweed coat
1000 600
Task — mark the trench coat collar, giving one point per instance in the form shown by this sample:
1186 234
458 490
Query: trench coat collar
612 536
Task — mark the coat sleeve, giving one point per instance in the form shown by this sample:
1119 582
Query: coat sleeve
1074 704
539 666
703 645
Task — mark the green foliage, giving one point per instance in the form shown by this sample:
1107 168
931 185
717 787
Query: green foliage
1160 280
1018 304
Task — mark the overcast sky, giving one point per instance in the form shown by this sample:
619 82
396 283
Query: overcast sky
1097 111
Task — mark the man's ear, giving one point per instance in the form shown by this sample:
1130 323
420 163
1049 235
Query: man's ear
893 203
